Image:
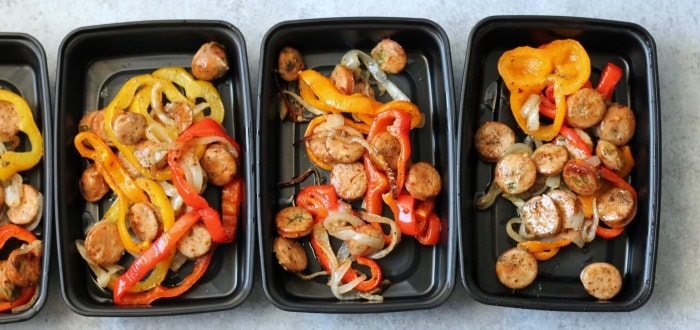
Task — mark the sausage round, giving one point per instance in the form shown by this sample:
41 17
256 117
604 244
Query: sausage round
492 139
581 177
585 108
103 244
290 254
423 181
515 173
92 185
516 268
349 180
601 280
210 61
289 63
550 158
294 221
390 56
615 207
541 216
617 125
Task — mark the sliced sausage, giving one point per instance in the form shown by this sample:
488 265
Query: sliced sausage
601 280
615 207
388 147
516 268
210 61
289 63
515 173
581 177
390 56
349 180
585 108
290 254
617 126
220 164
30 205
103 244
9 121
609 154
144 221
8 290
423 181
196 242
343 79
550 158
294 221
567 204
541 216
129 127
23 266
92 185
492 139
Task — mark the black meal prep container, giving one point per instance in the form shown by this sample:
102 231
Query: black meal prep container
93 63
422 277
483 97
23 70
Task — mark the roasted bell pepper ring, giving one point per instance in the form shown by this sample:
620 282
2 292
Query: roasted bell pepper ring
108 165
526 71
319 200
7 232
157 252
146 298
326 92
609 78
398 124
12 162
195 89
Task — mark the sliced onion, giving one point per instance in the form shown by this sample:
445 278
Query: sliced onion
486 200
103 274
199 108
3 149
156 132
13 190
157 106
574 222
306 105
511 232
531 111
340 219
553 181
394 231
352 60
593 160
590 225
178 261
519 148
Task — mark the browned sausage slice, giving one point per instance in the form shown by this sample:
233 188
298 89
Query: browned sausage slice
601 280
516 268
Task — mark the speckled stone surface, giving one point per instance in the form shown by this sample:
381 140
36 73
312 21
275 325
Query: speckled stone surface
674 25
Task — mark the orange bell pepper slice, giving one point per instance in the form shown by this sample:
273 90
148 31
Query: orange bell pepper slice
326 92
526 71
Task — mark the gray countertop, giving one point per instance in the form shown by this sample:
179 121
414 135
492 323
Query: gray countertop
676 30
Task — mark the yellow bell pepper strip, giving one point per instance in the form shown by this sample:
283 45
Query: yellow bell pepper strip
7 232
108 165
307 94
201 264
158 251
120 103
398 124
526 71
326 92
12 162
159 199
195 89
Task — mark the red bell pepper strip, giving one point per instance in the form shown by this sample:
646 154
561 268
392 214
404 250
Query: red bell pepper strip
398 124
609 78
157 252
231 199
407 219
351 274
377 185
25 296
146 298
7 232
376 271
203 128
318 199
575 140
431 235
608 233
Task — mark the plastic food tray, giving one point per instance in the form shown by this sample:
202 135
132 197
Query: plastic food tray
93 63
483 97
23 70
422 277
